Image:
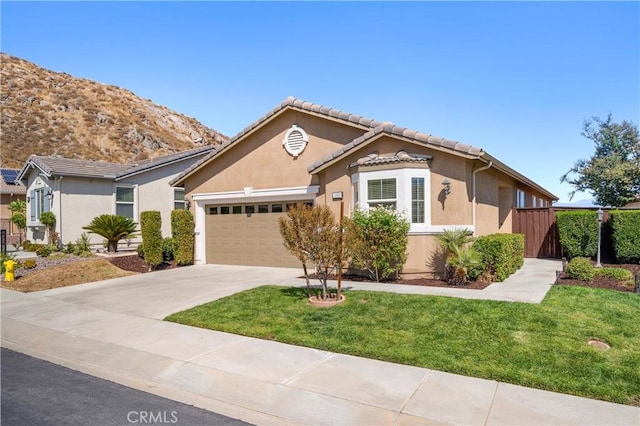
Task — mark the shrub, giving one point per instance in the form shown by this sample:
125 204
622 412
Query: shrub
26 244
618 274
69 248
625 226
377 241
182 227
464 259
112 227
580 268
48 219
578 232
169 248
151 229
82 245
29 263
46 249
502 255
452 241
140 250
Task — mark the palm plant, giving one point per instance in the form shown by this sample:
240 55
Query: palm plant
452 241
113 228
464 259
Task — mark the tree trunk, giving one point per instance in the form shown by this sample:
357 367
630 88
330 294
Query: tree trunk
306 277
112 246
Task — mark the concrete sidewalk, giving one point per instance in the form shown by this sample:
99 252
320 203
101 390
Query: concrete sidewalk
113 330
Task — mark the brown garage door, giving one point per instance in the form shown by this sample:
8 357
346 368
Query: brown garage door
246 234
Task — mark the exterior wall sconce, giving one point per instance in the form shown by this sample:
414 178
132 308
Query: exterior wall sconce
447 186
28 199
49 194
187 205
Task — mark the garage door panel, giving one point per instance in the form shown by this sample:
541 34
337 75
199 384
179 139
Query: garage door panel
246 239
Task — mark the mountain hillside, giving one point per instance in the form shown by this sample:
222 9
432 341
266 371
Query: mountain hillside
50 113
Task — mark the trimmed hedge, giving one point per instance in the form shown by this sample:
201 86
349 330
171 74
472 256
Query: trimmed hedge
578 232
580 268
151 229
502 254
169 247
625 226
182 227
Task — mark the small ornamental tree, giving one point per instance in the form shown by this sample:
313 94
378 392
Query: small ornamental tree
312 234
377 242
151 230
182 227
18 209
113 228
453 241
48 219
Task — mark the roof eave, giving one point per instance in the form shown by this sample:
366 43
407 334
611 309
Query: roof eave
127 174
486 157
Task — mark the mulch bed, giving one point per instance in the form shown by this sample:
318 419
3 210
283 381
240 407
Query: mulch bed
602 282
425 282
135 263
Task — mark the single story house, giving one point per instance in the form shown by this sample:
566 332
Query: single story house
76 191
10 190
306 152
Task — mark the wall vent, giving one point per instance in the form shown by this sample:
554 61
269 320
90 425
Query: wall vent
295 140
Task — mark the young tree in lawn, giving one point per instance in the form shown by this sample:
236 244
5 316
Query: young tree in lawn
612 174
312 234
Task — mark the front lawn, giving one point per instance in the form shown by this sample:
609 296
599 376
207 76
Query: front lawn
543 346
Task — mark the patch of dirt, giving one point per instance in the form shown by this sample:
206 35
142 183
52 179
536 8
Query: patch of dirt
471 285
135 263
603 282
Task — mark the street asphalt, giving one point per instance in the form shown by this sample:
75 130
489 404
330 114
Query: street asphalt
37 392
114 330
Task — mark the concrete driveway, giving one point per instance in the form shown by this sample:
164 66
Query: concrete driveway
158 294
113 330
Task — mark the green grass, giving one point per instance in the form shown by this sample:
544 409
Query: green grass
542 346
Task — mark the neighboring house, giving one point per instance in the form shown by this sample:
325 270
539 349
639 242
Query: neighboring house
307 152
76 191
9 191
634 204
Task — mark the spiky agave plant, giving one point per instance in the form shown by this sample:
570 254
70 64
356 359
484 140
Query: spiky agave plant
113 228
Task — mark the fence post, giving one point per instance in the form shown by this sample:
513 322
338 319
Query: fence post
637 289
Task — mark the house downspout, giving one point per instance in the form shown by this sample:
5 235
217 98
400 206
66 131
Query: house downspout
473 203
60 209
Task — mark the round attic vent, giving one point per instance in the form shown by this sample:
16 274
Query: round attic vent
295 140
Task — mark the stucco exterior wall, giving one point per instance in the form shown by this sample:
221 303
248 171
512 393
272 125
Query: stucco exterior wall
260 160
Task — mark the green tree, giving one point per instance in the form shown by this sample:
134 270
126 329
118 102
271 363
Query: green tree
318 239
452 242
377 241
612 174
48 219
18 209
113 228
151 230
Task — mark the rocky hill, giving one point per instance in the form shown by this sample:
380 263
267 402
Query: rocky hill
50 113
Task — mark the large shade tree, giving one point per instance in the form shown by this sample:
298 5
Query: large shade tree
612 174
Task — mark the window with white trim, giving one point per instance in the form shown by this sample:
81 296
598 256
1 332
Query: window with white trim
178 199
382 193
520 199
417 199
125 201
38 203
405 190
534 201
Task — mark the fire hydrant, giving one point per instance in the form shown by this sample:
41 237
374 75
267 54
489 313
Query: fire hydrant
9 265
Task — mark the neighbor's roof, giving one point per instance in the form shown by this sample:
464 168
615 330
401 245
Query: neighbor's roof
10 186
373 130
58 166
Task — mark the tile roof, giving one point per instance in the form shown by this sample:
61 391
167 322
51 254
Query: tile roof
289 103
98 169
11 187
374 159
402 133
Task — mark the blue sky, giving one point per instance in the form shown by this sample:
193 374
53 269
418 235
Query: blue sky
515 78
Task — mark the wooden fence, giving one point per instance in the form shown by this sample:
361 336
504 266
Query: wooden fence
538 225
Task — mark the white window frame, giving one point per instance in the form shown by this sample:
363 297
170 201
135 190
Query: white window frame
176 201
534 201
134 203
520 199
403 179
38 203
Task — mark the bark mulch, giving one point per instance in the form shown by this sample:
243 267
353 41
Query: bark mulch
603 282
